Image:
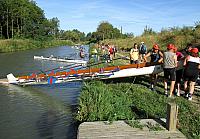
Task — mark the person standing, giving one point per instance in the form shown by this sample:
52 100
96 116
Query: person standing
134 54
156 57
142 51
169 67
187 50
191 72
95 54
179 71
111 52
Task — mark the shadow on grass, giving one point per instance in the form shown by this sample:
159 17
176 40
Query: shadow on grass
142 114
143 80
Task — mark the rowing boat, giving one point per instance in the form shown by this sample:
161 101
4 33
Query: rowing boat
68 60
86 74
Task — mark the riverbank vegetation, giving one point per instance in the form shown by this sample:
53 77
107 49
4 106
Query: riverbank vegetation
23 19
23 26
13 45
130 99
176 35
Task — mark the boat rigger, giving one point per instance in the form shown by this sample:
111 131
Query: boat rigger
86 73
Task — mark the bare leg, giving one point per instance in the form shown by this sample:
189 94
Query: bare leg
178 89
155 78
165 86
185 85
171 88
141 59
191 91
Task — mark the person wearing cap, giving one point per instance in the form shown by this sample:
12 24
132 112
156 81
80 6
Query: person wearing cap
179 70
169 67
187 50
191 72
156 57
142 51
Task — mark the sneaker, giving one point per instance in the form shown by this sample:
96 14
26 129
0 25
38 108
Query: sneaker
178 94
153 89
189 97
165 92
170 96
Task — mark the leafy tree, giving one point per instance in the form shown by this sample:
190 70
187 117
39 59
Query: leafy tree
148 31
23 18
88 36
73 35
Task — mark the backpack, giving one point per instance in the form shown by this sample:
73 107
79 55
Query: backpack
143 49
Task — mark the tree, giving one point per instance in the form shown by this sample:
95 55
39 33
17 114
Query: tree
23 18
74 35
148 31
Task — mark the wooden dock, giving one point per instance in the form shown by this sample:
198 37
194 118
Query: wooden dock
121 130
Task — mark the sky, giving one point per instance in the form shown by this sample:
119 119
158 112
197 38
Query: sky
131 15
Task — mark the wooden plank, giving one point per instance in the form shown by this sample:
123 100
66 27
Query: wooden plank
121 130
172 112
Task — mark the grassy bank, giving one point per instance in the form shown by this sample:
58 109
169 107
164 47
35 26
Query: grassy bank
130 99
162 39
12 45
124 100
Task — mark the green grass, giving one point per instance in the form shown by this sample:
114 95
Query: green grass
126 101
12 45
130 99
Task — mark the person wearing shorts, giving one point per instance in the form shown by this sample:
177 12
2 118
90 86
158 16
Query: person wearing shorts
169 67
179 71
156 57
191 72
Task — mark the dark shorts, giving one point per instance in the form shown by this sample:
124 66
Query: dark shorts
170 74
190 76
179 75
134 61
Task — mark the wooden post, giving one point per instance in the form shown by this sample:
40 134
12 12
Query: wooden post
172 113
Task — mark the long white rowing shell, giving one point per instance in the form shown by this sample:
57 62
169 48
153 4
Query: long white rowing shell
97 75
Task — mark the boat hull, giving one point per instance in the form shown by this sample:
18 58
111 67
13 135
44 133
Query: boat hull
87 74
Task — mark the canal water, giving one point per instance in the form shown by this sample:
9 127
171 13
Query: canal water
37 112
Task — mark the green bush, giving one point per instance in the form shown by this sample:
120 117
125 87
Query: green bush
12 45
128 101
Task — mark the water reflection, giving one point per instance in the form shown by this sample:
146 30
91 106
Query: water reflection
37 112
40 112
46 124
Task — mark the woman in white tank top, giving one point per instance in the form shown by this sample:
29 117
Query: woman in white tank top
191 72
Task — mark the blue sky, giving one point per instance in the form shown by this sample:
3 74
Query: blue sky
132 15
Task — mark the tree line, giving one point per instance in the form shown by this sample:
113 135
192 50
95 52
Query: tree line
23 19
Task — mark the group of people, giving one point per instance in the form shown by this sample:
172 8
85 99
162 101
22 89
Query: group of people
108 52
177 66
137 54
